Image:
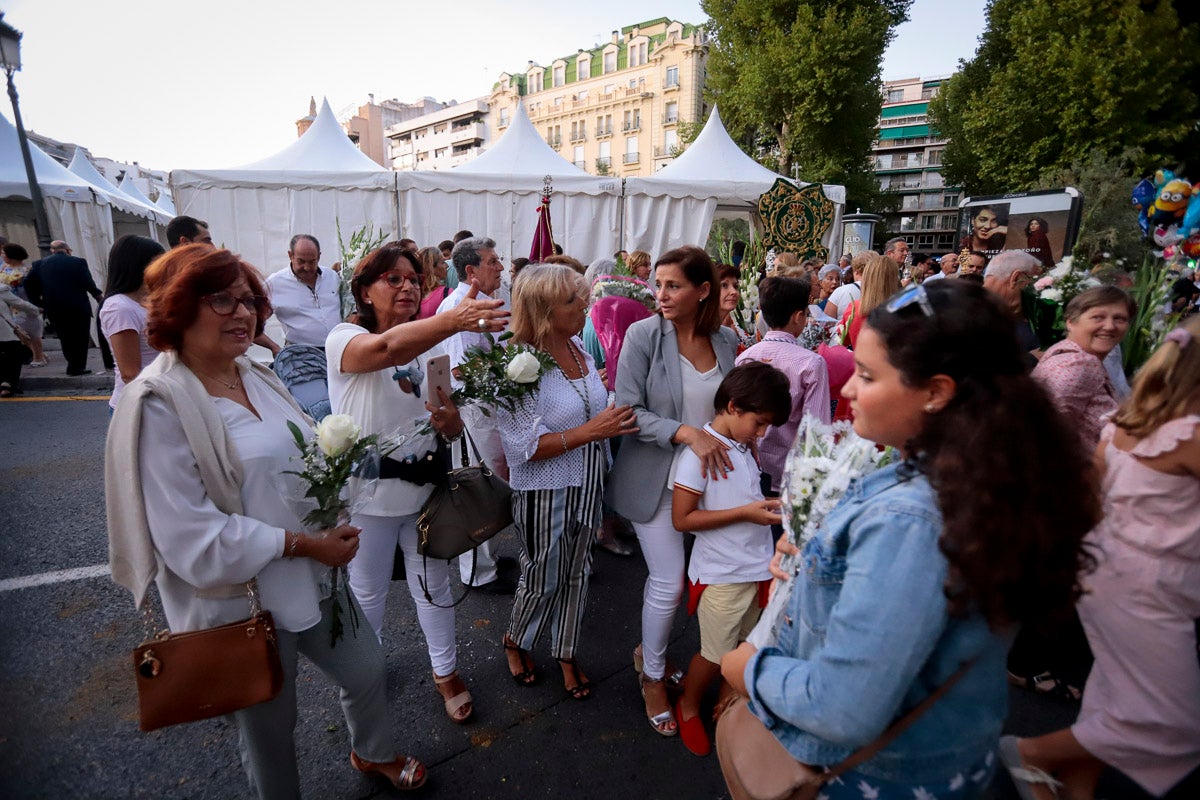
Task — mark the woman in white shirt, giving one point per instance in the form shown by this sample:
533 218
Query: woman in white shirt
556 444
123 312
376 369
191 461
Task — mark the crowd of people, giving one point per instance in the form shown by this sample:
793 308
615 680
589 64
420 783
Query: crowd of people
995 548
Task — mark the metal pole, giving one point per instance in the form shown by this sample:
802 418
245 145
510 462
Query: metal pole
35 191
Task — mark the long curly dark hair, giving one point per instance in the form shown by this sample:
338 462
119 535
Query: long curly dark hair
1016 489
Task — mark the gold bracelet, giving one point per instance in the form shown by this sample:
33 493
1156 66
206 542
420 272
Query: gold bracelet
563 436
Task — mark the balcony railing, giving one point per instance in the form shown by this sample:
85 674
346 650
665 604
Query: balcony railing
671 119
604 161
631 158
636 125
604 132
555 142
581 136
580 164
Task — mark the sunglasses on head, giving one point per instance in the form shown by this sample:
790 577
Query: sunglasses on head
913 295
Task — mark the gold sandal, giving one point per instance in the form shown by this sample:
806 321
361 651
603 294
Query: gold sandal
404 773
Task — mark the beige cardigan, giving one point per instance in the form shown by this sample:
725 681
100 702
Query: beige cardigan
131 555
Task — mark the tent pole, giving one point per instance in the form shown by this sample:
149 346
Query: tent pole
621 209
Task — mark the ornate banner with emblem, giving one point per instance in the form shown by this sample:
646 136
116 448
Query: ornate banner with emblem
795 218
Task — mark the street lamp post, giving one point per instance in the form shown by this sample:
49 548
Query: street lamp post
10 57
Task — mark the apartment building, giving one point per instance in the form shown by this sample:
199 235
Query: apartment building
441 139
908 159
365 125
613 109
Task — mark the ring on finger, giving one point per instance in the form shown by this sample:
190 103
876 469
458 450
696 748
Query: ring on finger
482 323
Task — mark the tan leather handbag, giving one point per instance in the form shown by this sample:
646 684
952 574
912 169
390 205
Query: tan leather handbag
185 677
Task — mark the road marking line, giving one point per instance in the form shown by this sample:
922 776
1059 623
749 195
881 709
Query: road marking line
60 576
57 399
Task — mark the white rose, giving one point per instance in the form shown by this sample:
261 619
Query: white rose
1052 294
524 368
336 434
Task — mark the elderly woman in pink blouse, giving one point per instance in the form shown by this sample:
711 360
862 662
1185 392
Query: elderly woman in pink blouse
1072 371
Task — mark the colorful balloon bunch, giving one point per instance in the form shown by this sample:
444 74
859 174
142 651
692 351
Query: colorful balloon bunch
1169 213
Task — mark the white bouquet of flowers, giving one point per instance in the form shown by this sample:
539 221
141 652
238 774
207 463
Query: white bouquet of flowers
817 473
624 286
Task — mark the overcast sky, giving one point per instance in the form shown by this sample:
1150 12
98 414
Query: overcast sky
220 84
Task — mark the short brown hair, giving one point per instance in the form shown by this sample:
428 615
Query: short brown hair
1088 299
698 269
178 281
369 270
758 388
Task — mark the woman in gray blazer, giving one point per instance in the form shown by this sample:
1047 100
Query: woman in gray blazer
671 365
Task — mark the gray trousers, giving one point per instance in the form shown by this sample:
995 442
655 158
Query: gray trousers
266 731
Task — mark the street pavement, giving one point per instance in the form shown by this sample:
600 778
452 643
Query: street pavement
69 721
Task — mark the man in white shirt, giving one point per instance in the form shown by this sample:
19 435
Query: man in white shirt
304 297
948 264
476 261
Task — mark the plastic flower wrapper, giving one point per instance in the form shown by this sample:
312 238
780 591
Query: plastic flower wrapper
624 286
338 476
747 307
819 469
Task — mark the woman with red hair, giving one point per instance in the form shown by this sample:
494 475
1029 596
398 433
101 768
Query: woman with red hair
195 444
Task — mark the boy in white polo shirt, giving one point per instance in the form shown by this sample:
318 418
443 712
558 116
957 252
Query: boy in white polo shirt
731 520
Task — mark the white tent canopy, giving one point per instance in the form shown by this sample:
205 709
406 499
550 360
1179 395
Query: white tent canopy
77 213
497 195
713 177
313 185
81 166
164 203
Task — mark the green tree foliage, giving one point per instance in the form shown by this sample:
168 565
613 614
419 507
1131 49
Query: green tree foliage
803 78
1055 80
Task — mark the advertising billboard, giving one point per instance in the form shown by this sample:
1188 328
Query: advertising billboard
1042 223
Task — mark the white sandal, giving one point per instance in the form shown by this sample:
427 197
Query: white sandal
1024 777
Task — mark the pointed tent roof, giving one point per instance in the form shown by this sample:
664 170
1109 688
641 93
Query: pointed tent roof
81 166
324 146
516 164
323 157
130 188
164 202
713 166
54 179
520 151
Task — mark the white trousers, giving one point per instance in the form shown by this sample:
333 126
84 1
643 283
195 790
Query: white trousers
662 547
371 578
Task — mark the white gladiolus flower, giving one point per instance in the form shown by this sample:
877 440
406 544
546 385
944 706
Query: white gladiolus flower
1052 294
524 368
336 434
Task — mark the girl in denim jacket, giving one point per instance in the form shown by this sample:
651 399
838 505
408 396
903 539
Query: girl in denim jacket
930 563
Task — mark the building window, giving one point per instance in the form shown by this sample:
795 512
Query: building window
535 81
895 95
582 95
935 157
949 201
577 157
558 102
928 222
604 125
884 161
633 120
908 223
925 241
672 77
949 221
672 113
631 149
929 92
605 158
609 88
637 54
610 61
670 142
583 69
560 75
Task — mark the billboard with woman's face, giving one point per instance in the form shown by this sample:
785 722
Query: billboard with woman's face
1043 223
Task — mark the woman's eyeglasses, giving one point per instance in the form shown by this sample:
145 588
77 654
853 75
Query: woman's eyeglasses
396 280
225 304
914 294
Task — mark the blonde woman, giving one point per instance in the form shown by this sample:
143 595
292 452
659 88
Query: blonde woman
556 444
880 280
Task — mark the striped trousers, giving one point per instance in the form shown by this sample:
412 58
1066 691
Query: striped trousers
556 528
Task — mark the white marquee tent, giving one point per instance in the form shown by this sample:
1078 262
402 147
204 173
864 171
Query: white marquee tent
311 186
497 195
78 214
712 178
129 215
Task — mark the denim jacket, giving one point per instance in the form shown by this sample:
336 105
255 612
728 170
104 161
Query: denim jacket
867 636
